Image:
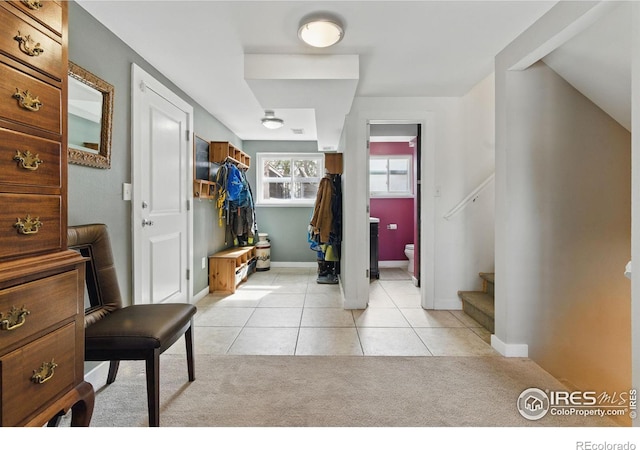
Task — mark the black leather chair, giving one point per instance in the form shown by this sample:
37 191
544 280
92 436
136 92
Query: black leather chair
136 332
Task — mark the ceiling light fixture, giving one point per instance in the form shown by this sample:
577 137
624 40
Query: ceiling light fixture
320 31
271 121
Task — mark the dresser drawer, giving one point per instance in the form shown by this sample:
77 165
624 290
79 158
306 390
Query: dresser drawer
48 13
29 45
29 162
27 309
29 101
28 210
21 394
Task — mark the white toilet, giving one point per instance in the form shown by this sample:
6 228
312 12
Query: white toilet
408 251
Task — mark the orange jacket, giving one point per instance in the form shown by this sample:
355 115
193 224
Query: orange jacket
322 218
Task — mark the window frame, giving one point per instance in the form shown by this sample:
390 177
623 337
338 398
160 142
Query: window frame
293 156
400 194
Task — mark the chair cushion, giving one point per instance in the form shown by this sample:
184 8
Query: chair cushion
138 327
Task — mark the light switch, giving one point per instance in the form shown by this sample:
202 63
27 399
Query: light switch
126 191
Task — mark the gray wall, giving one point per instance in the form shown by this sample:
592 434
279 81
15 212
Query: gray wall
286 226
95 195
568 210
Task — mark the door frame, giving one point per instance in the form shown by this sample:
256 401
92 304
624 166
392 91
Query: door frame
426 221
140 81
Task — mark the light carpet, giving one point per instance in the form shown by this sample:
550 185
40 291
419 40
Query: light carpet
331 391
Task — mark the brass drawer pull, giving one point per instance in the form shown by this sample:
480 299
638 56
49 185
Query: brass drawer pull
32 4
28 46
27 101
28 160
29 225
44 373
16 318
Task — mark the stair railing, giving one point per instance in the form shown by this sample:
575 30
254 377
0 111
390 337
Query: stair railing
472 197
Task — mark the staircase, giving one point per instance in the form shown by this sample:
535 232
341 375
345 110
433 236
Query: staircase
479 304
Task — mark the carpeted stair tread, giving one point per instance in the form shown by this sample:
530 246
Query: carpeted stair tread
480 301
490 277
480 307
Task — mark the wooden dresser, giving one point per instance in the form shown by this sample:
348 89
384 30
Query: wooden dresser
41 281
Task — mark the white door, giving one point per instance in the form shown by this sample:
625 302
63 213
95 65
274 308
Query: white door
161 216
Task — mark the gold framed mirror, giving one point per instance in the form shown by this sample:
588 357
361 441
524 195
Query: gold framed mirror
90 114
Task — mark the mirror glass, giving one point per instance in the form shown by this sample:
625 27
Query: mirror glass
85 116
90 109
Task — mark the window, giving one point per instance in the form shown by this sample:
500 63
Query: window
390 176
288 179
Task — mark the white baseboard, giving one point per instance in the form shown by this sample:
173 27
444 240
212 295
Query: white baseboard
447 303
98 375
390 264
293 264
509 350
200 295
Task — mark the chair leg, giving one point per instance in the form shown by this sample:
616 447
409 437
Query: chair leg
188 338
113 371
153 388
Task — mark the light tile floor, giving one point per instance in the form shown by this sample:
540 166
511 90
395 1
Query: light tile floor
284 311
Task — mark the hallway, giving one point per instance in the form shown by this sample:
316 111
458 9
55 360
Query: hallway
284 311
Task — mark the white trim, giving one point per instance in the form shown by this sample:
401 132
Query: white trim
509 350
200 295
410 178
293 264
285 202
389 264
97 376
447 303
358 167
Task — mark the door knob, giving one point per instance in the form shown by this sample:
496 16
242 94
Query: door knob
146 222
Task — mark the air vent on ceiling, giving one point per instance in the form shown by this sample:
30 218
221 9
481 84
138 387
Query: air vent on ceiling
297 130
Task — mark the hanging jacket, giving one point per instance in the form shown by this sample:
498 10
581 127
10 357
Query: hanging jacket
322 219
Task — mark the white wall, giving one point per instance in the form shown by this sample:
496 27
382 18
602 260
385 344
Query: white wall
457 155
471 230
563 220
570 206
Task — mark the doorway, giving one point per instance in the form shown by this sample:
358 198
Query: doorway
394 200
161 178
423 232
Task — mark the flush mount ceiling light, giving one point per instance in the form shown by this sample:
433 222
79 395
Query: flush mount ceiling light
271 121
320 31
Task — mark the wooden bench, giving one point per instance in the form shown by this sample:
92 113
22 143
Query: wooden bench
228 268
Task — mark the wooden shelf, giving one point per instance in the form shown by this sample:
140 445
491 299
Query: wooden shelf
230 267
222 152
333 163
204 189
205 154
